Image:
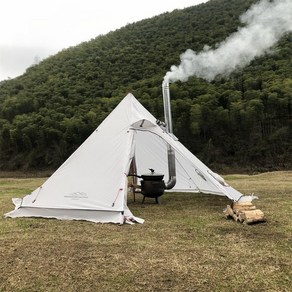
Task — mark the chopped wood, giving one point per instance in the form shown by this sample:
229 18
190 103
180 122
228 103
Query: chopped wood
252 216
244 212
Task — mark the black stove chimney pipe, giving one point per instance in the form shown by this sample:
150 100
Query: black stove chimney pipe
170 151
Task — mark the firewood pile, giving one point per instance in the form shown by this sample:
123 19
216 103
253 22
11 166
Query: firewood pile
244 212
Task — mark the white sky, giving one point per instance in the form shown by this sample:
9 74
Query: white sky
35 29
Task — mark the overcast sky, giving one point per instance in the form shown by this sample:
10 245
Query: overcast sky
31 30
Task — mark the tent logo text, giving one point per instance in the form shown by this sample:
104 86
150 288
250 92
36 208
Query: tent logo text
77 196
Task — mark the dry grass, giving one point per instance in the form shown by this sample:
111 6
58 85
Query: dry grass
185 245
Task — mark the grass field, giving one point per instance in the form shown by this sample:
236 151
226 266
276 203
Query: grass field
185 244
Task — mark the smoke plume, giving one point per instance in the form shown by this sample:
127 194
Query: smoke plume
264 24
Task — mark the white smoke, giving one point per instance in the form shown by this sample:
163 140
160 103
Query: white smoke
265 23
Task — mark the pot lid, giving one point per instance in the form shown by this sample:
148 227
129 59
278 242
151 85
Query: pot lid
152 173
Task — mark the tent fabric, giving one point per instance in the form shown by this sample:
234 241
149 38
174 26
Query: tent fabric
92 183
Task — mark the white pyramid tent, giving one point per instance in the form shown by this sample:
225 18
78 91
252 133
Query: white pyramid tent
92 183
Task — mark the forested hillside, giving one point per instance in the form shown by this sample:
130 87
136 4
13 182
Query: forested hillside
241 121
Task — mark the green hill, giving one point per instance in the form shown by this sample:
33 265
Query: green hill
241 121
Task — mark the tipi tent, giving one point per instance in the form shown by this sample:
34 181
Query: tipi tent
92 183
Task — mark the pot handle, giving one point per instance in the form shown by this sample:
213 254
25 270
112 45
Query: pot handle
136 175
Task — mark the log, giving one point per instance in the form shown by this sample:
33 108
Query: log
240 218
252 216
241 204
235 217
239 210
245 206
228 212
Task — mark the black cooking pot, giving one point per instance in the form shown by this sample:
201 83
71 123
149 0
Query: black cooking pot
152 184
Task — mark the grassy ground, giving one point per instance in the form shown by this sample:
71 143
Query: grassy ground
185 244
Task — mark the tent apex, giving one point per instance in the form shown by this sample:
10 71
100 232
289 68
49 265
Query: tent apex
130 95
